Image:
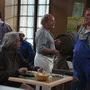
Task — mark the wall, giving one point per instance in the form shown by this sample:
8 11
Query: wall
59 9
2 8
11 12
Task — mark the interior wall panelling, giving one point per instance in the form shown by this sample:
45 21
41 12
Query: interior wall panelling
59 9
2 5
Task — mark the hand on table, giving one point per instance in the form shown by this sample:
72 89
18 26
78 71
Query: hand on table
23 70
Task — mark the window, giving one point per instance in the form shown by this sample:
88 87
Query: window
30 16
43 8
11 9
78 8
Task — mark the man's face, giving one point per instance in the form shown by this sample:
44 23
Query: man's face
51 22
87 17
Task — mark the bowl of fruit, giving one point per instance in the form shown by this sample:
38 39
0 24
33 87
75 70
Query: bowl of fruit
41 76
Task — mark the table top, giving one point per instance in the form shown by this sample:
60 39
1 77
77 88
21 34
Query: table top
33 81
9 88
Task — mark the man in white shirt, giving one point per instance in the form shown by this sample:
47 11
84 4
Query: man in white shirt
45 46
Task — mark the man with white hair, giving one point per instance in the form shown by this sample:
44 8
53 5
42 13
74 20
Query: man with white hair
10 64
45 46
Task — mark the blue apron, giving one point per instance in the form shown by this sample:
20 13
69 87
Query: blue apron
81 63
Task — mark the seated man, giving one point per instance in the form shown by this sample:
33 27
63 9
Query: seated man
10 64
10 61
26 50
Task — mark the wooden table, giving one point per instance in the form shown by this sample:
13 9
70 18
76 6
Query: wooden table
9 88
44 85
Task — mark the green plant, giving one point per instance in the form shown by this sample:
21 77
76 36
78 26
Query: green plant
73 22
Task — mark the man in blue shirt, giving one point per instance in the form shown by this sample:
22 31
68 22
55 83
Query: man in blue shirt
26 50
81 56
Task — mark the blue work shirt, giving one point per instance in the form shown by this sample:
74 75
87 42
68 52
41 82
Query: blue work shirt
27 52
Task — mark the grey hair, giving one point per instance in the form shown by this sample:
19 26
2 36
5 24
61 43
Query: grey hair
46 18
10 39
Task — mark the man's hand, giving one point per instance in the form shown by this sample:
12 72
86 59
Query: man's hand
58 42
56 52
23 70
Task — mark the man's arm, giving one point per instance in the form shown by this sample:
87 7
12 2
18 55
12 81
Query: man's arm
3 73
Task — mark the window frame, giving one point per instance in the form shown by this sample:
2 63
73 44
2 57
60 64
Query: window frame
36 3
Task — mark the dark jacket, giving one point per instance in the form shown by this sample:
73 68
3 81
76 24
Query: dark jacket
9 64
